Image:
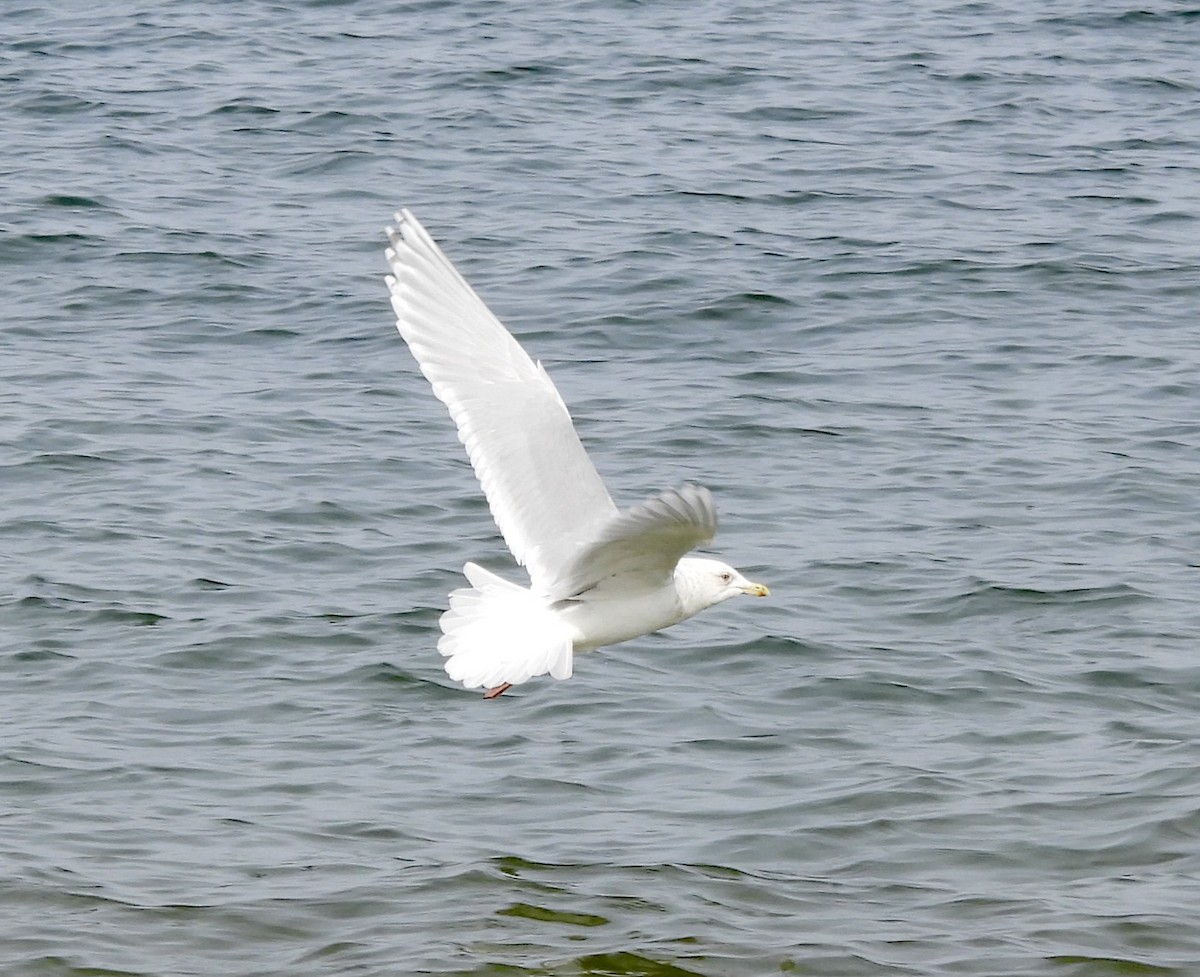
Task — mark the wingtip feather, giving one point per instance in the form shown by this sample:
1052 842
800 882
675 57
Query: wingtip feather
495 393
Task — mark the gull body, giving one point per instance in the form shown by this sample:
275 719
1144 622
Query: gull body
598 575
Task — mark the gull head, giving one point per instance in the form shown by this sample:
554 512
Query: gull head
702 583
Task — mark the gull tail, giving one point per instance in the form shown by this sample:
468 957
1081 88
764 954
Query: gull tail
497 632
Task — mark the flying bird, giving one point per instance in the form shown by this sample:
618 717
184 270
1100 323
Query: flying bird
598 575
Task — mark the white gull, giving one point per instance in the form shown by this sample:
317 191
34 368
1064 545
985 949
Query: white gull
598 575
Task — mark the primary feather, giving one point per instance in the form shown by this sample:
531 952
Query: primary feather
543 490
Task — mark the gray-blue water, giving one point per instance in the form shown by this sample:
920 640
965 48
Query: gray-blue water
913 287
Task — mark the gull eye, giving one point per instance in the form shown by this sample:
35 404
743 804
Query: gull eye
726 577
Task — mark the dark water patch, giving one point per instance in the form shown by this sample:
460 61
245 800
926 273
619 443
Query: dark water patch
1075 965
544 915
215 656
880 689
77 600
326 164
757 744
204 583
513 73
73 202
794 113
986 598
71 967
240 107
623 963
15 246
193 260
58 103
130 618
41 655
740 306
1175 680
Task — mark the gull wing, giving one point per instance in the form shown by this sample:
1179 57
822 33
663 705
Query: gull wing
639 547
544 492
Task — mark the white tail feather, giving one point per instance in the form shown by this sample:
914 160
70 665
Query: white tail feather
497 632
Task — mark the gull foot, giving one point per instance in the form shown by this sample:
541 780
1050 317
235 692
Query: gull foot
499 690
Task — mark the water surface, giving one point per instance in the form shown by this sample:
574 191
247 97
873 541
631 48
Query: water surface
911 287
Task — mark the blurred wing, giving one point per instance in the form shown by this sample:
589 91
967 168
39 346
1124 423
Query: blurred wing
639 547
543 490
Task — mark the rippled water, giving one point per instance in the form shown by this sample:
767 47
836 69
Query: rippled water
912 287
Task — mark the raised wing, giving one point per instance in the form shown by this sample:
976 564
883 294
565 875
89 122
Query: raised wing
639 547
543 490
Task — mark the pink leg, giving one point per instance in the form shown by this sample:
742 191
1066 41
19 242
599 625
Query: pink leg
499 690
